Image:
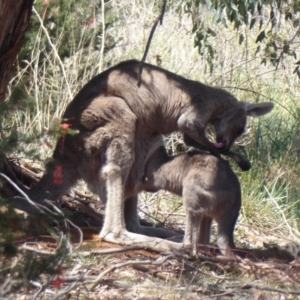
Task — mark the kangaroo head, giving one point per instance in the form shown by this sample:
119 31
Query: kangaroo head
151 180
232 125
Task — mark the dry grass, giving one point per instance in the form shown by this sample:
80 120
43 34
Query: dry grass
271 207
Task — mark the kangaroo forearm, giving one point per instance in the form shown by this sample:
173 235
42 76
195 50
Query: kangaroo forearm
242 162
205 145
192 143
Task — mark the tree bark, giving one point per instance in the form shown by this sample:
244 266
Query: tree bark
14 20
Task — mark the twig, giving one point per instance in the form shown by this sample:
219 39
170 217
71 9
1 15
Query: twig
37 206
79 278
204 273
84 207
55 51
7 283
159 261
2 134
103 36
296 231
83 253
161 275
9 168
218 259
68 288
262 95
108 251
159 19
42 208
40 286
68 221
44 252
119 284
152 287
158 222
220 295
189 284
171 213
80 234
263 288
287 44
50 279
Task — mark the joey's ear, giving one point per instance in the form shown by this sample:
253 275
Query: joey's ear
258 109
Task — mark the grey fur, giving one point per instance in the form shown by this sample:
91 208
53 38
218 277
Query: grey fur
210 190
120 124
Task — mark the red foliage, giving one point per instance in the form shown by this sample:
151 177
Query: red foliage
58 175
57 282
65 126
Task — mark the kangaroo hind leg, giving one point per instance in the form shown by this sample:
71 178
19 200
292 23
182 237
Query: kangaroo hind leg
114 228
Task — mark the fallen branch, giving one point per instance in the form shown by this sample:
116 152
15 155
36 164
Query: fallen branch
43 252
45 210
159 261
38 207
107 251
160 275
83 253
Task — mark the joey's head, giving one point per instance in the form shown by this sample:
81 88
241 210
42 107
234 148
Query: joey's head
149 184
150 180
233 124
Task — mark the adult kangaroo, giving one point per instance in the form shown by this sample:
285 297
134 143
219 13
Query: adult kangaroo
210 190
120 124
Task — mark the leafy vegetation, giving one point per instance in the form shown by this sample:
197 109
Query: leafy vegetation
264 17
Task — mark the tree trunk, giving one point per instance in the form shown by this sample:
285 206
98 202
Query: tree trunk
14 20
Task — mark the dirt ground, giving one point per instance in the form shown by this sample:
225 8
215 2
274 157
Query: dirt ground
69 261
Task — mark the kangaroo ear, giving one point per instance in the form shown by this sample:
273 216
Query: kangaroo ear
258 109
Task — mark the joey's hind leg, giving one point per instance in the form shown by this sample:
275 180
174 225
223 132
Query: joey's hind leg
204 232
133 223
192 224
225 233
